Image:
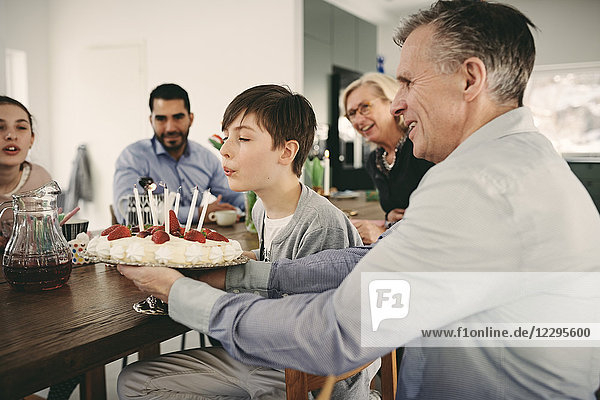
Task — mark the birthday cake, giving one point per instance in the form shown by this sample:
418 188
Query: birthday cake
154 246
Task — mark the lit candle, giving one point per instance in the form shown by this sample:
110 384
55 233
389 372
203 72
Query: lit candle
177 199
190 216
166 207
203 213
138 207
151 188
326 174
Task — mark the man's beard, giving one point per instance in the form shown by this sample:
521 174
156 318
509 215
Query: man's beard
165 138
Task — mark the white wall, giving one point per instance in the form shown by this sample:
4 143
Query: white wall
92 64
24 26
569 32
3 33
102 59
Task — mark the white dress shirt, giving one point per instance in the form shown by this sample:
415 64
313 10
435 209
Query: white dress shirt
503 201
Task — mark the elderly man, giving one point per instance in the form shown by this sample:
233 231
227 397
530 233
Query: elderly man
492 235
170 157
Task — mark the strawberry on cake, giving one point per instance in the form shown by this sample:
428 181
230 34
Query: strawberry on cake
155 246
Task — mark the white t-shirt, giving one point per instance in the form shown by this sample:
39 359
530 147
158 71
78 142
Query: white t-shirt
272 228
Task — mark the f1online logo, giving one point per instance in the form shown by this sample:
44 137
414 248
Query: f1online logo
388 298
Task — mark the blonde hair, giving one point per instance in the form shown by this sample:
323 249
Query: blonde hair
383 86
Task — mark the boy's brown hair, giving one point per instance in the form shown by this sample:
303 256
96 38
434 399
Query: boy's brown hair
282 113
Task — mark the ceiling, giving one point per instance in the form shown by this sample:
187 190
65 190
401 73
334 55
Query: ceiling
380 11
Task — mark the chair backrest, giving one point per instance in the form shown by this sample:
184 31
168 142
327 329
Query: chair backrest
298 384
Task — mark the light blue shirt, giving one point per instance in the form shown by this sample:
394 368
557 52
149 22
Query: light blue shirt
196 167
503 201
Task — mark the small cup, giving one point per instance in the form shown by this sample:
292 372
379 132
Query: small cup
74 227
223 217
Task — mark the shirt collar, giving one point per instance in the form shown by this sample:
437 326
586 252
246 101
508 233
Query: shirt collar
518 120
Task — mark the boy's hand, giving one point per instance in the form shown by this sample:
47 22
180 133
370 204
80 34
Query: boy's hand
156 281
249 254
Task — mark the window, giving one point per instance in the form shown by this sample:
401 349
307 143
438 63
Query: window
565 101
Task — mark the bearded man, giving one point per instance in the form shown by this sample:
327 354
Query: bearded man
173 159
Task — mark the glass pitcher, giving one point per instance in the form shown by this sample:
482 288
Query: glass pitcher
37 256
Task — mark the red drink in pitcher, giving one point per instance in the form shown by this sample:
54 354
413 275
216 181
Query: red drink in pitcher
37 256
28 275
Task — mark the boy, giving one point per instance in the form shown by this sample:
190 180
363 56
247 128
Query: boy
268 134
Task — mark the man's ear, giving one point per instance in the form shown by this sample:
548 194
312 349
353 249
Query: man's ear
475 75
191 118
290 149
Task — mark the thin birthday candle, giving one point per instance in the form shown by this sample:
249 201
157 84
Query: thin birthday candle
204 204
326 173
177 199
138 207
152 204
188 223
166 207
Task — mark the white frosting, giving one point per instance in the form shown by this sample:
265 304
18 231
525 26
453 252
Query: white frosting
176 251
230 252
196 253
135 252
103 247
117 253
91 247
215 255
163 255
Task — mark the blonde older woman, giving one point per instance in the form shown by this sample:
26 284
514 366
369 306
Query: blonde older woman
395 171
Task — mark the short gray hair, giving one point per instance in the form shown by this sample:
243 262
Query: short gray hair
497 34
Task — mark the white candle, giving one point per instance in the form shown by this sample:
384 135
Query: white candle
188 223
138 207
166 208
203 213
152 204
177 199
326 174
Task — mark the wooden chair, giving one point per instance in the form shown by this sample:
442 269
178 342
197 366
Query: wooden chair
298 383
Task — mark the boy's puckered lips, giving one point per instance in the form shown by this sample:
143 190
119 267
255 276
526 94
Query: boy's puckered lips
228 172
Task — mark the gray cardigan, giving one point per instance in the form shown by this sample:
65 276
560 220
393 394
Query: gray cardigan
316 225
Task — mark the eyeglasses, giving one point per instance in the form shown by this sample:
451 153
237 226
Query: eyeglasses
362 109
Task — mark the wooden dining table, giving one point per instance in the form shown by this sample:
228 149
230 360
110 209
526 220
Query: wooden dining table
50 336
356 206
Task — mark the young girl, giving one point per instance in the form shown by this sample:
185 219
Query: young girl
16 174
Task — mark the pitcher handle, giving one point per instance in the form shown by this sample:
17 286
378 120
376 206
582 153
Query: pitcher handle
5 207
123 201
